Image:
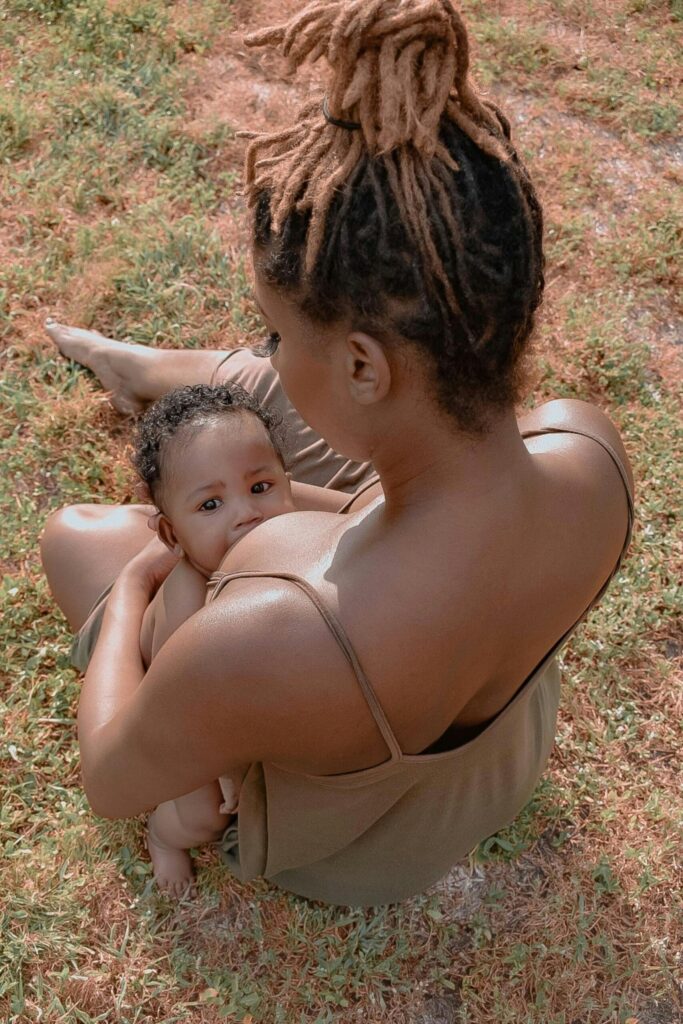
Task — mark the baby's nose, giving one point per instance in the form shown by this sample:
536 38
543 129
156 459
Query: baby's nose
247 515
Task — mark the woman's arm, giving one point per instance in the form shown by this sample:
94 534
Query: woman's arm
116 667
233 685
135 729
309 498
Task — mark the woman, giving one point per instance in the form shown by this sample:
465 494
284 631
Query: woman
389 673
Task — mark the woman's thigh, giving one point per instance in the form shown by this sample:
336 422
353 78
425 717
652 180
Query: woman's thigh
84 547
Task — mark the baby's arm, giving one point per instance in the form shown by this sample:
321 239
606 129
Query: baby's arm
309 498
182 593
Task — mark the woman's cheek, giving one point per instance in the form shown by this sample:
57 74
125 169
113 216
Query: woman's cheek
287 379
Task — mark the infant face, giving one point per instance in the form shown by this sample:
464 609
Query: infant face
221 478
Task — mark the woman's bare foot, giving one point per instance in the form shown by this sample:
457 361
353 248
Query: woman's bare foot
132 374
99 354
173 870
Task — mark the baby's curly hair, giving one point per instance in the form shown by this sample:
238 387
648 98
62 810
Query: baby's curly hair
196 405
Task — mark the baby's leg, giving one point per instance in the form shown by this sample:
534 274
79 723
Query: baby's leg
176 826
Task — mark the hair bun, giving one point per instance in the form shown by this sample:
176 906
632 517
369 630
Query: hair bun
397 66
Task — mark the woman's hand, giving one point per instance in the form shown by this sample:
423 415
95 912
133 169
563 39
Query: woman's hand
151 566
116 668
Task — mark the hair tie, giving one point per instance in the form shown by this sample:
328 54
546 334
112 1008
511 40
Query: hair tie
351 126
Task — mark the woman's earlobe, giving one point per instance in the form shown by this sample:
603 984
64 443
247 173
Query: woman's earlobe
143 494
369 373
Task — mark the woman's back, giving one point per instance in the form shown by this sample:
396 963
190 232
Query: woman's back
381 830
457 602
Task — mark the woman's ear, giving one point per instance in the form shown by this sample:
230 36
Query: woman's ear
142 493
166 534
368 370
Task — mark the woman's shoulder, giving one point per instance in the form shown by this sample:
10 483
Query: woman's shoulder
578 421
583 504
588 465
271 655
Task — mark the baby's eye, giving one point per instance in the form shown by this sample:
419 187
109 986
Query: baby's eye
210 505
261 487
268 347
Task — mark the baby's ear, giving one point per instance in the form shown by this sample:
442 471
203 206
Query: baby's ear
166 534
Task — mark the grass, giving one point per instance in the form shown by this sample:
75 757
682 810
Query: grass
122 214
617 62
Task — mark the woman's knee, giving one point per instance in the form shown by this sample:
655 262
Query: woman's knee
84 547
67 529
78 524
60 530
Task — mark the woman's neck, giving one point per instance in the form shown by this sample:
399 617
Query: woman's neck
439 461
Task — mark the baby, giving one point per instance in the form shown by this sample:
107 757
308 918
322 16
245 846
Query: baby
210 460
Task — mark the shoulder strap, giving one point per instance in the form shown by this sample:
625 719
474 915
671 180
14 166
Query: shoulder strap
627 540
219 581
370 482
621 469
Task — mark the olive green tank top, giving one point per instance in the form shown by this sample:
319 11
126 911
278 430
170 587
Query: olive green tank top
388 832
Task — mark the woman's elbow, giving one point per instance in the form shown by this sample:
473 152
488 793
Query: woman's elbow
101 802
106 802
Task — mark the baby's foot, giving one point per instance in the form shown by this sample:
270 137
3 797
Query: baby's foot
112 362
173 870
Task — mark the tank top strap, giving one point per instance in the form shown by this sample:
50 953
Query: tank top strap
627 540
629 497
370 482
219 580
621 469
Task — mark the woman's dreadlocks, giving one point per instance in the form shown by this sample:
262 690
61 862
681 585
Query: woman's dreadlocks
416 218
